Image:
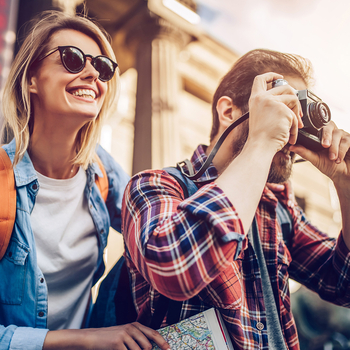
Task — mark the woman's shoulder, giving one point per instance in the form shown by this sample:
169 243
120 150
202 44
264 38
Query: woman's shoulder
112 167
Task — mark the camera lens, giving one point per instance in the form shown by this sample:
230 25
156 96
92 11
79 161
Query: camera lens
319 114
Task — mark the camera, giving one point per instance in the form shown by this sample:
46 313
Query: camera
316 114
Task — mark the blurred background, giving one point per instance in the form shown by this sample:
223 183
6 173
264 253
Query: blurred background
172 55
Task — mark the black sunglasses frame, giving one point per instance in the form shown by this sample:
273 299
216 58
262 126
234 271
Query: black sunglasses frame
93 61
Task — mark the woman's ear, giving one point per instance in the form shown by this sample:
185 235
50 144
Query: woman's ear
33 87
227 111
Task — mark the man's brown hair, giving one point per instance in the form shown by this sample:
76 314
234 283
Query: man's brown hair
237 83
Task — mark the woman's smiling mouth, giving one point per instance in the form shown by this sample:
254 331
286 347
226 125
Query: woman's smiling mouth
85 93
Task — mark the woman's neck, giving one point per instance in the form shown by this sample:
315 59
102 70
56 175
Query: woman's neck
53 157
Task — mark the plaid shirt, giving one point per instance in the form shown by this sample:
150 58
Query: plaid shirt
195 250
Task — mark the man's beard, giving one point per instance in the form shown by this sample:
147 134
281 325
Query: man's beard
281 167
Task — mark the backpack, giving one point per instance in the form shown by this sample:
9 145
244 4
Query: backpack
8 197
114 305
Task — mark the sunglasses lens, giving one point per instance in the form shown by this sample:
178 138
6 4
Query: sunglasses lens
73 59
105 67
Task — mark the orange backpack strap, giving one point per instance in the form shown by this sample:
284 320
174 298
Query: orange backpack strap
8 197
7 201
102 182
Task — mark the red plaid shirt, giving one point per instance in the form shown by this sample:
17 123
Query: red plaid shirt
195 250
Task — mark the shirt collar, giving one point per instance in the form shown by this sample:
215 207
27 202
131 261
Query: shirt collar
92 171
25 173
211 174
198 159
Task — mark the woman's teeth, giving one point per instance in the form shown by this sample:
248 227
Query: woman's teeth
84 93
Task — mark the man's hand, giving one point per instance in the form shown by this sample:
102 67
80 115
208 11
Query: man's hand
334 161
275 114
280 188
133 336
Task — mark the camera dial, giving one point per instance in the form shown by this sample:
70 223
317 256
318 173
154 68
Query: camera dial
279 82
316 114
319 114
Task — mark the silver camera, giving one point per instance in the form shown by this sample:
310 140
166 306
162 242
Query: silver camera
316 114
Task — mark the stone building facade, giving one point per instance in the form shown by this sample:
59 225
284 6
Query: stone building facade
169 71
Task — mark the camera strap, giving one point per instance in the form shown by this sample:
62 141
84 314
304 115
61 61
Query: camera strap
194 176
212 154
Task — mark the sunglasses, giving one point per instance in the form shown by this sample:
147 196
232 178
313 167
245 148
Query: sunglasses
74 60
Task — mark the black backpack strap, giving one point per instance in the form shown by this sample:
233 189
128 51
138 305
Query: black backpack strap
114 305
285 220
164 304
160 310
188 186
124 304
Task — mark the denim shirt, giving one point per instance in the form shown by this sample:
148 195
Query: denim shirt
23 290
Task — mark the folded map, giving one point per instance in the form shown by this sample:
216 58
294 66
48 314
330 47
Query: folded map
204 331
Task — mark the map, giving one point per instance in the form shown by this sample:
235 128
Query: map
192 333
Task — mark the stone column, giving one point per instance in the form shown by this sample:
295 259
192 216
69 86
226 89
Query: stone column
68 6
157 139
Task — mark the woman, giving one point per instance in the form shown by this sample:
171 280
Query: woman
60 87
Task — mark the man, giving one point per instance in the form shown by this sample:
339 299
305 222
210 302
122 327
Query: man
196 249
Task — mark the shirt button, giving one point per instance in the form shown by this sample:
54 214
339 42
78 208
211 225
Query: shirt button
41 314
260 326
41 280
35 186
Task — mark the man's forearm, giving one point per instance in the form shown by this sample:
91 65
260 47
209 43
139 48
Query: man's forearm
244 180
344 200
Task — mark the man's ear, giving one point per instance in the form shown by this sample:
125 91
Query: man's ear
227 111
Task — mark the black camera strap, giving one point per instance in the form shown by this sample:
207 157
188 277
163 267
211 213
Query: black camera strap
212 154
194 176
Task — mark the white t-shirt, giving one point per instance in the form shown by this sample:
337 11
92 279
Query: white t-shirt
67 248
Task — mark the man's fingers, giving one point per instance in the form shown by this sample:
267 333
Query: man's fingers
153 335
305 153
335 142
261 81
292 102
293 134
275 187
344 146
287 95
327 132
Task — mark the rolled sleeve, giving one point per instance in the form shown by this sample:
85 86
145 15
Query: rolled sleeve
211 205
19 338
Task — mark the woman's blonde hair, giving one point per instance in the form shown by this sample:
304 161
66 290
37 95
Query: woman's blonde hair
16 97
